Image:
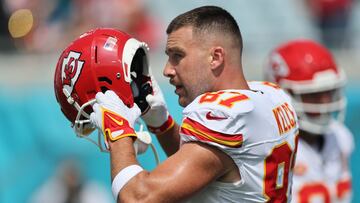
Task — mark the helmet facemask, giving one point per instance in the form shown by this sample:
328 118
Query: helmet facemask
315 114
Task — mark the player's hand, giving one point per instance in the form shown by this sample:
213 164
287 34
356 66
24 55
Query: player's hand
113 118
157 118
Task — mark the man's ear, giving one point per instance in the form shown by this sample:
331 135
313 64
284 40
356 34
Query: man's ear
217 57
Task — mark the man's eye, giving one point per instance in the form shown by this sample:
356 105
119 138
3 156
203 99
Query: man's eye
175 58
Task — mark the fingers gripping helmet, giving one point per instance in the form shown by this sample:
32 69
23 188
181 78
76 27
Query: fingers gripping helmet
99 60
305 69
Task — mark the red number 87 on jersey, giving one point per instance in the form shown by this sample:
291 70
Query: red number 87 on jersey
227 102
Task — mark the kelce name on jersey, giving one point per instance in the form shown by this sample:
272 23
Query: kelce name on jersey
285 118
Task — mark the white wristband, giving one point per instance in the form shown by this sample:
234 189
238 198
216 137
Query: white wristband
123 177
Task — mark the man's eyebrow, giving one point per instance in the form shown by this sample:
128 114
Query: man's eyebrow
173 49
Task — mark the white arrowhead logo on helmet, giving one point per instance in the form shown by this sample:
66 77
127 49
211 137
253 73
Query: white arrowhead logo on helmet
278 65
70 70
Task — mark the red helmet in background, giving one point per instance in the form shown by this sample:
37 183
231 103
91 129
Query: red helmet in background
99 60
307 71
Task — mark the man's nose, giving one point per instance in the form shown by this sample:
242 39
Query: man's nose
169 70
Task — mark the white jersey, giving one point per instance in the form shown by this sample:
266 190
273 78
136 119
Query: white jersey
257 128
323 176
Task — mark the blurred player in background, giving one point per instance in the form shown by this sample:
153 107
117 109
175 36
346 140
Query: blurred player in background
237 141
308 72
69 185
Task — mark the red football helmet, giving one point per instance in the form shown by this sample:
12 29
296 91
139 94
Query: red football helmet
308 72
99 60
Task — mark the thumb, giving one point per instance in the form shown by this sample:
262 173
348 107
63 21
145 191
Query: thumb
151 100
135 110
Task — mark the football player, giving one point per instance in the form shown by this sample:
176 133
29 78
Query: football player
308 72
237 140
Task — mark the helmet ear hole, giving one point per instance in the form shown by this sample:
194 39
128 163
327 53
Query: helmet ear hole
106 80
104 89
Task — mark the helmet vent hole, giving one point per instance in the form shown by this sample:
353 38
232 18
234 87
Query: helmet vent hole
105 79
95 53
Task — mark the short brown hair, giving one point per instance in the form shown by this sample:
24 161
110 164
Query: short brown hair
208 19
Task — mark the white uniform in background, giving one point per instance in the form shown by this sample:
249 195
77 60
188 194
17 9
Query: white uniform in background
324 177
258 129
308 71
